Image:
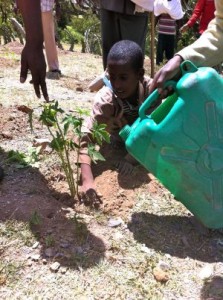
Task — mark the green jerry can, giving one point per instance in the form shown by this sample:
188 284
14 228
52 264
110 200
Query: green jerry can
181 142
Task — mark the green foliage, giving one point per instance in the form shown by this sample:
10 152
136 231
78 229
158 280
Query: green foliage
16 156
85 30
66 133
7 31
23 160
35 219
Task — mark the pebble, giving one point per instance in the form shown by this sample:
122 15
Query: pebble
79 250
64 245
63 270
206 272
115 222
55 266
35 245
163 265
49 252
160 275
35 257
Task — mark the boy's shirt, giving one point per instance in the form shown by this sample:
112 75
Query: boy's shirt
115 113
166 25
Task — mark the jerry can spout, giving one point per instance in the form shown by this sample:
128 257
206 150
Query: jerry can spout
125 132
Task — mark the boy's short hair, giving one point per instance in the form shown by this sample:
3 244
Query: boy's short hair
128 52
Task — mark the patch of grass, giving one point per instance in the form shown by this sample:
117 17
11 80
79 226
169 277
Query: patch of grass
49 241
17 231
35 219
9 272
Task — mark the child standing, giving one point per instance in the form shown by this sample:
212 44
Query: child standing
166 38
116 106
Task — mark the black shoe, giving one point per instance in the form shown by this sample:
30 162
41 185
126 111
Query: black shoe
2 174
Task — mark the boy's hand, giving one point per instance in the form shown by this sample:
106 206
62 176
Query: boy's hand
35 62
90 198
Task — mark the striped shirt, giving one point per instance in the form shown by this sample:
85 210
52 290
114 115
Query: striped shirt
47 5
167 25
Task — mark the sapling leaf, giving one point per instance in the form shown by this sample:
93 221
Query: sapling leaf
100 134
73 145
94 154
58 144
82 112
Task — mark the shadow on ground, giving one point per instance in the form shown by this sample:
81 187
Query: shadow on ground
177 236
212 289
26 197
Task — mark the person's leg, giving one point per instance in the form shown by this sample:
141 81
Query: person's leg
49 40
159 49
169 46
134 28
109 32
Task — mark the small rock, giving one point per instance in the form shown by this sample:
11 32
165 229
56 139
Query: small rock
146 249
115 222
64 245
163 266
41 143
59 254
49 252
25 109
79 89
7 135
55 266
29 263
160 275
3 279
35 245
63 270
12 117
206 272
35 257
79 250
44 261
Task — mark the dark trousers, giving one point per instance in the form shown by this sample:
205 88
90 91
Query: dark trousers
165 46
116 27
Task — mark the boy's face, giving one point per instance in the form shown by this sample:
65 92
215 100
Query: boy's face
124 79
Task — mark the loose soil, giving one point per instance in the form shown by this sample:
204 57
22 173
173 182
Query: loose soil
39 195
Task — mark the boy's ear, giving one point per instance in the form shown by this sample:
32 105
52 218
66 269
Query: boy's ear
141 73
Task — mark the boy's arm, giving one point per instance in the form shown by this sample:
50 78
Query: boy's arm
86 177
32 57
89 196
102 112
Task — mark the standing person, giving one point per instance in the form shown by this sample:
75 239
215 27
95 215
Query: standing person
32 57
204 12
166 37
119 21
206 51
116 106
49 39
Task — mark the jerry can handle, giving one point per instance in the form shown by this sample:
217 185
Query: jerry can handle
152 98
188 67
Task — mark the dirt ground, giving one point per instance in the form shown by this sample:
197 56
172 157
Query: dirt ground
31 193
118 191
